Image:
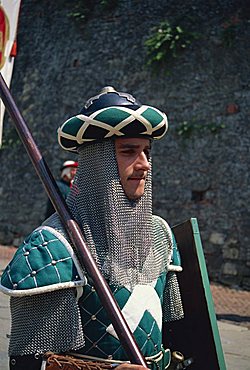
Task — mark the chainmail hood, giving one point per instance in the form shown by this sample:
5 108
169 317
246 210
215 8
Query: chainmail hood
117 230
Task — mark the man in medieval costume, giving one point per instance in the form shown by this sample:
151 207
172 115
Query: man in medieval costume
67 174
54 305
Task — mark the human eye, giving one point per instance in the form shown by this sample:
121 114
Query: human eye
147 152
128 151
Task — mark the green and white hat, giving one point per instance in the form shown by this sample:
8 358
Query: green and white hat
108 115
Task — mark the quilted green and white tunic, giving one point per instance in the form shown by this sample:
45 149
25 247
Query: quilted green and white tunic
45 276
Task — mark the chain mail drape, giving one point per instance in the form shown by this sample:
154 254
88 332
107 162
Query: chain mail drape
119 232
45 322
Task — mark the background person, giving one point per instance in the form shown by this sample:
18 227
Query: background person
68 171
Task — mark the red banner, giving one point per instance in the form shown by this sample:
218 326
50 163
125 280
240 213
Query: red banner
9 12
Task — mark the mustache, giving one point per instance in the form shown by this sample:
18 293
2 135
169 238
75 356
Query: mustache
139 177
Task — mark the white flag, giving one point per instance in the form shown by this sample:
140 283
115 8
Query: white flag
9 11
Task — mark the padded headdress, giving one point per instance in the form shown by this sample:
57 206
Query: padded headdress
111 114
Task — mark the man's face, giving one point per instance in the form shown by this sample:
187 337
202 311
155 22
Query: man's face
69 174
72 172
132 155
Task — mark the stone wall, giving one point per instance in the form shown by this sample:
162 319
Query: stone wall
201 172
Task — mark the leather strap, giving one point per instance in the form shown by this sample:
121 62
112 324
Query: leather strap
28 362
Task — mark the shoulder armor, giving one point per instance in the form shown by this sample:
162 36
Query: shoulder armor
44 262
175 263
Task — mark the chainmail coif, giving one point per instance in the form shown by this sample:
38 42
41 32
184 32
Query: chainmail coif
118 231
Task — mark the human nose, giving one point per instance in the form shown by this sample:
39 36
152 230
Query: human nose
142 162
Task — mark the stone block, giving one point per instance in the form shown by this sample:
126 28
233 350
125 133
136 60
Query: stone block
246 283
6 238
230 253
17 241
232 108
217 238
229 268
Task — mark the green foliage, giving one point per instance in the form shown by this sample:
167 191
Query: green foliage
81 10
186 129
166 42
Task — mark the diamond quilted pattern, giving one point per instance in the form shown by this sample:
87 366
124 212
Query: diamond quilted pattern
74 127
112 116
42 260
112 121
98 342
153 116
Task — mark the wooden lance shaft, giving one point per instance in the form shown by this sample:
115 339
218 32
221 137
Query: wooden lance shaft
108 301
